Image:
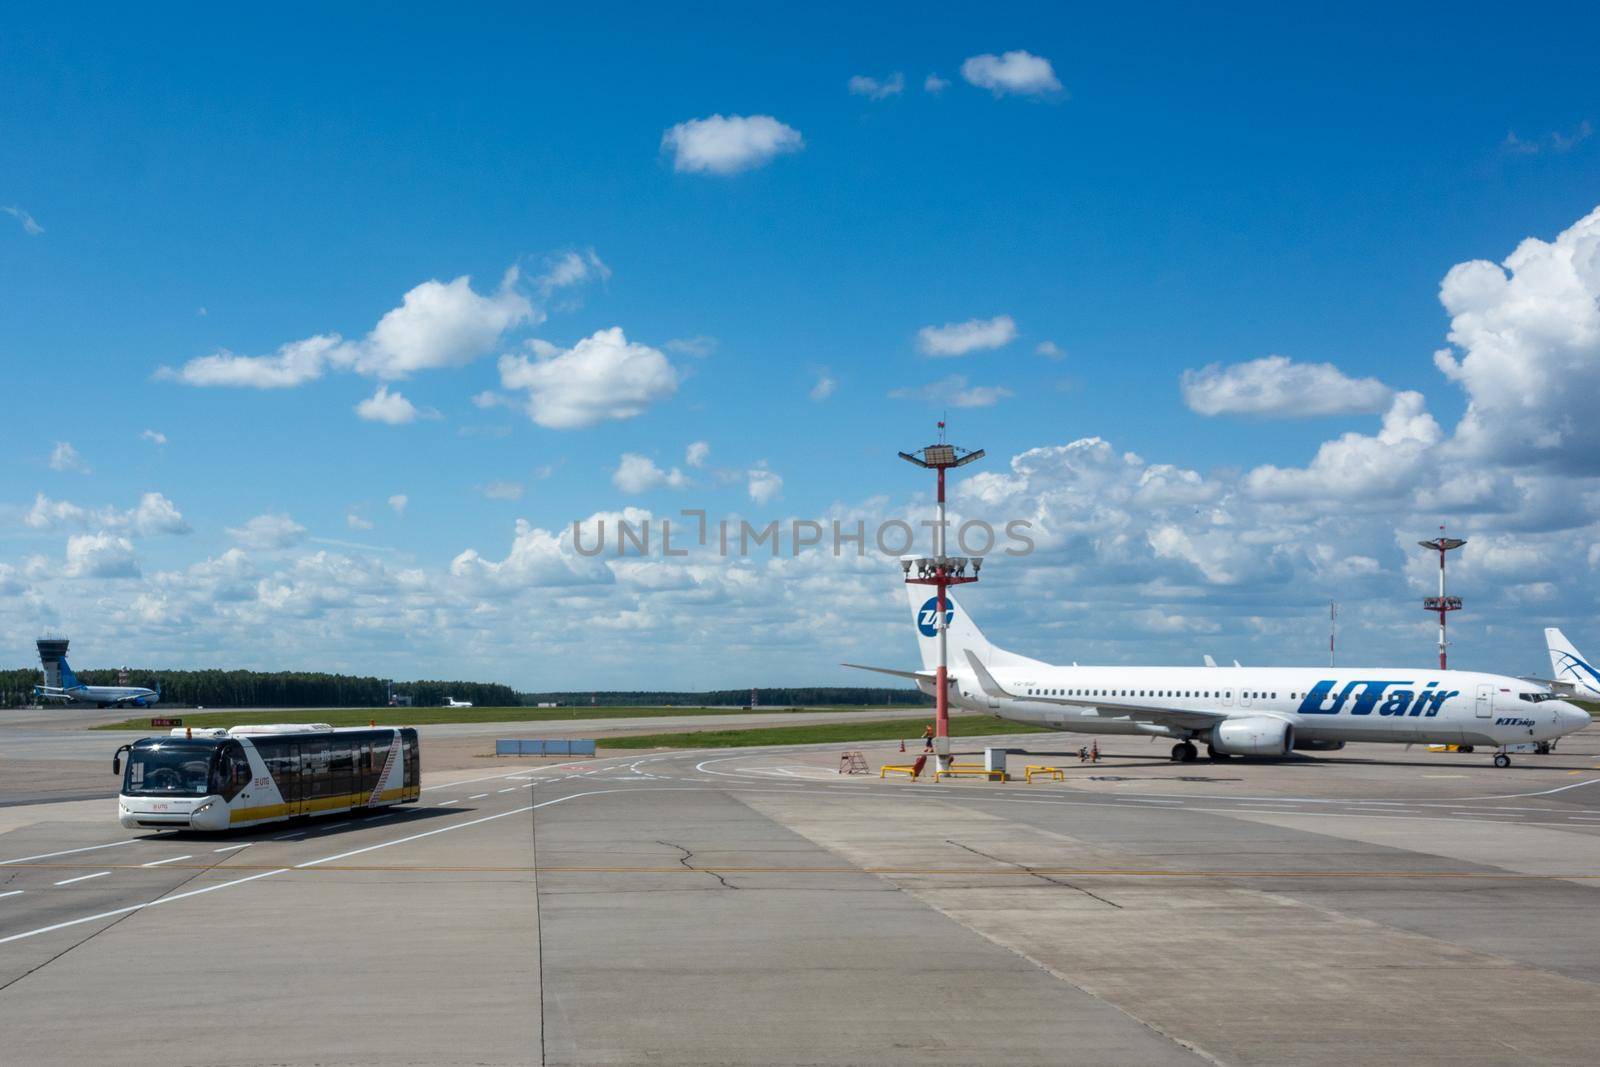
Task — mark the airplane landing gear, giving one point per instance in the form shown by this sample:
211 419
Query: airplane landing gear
1184 752
1502 760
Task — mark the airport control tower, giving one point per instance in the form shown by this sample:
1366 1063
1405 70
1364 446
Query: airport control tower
52 650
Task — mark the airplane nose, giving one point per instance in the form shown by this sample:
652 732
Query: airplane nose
1572 719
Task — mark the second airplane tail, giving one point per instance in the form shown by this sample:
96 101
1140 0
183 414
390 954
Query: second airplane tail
1570 668
962 634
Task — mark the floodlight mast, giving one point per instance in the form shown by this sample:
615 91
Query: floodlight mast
1442 604
941 572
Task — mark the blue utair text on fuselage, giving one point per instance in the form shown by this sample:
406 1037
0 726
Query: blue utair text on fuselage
1322 700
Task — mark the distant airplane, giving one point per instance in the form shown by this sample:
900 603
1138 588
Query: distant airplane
1242 711
452 702
72 691
1574 676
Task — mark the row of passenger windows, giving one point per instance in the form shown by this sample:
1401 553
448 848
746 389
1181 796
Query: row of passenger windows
1179 694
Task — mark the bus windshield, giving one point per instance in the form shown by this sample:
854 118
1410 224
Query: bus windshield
169 768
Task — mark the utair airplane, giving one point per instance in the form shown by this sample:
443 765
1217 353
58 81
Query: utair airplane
1237 711
1573 675
452 702
73 691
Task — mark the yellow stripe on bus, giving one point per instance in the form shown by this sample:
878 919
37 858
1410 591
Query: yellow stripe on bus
320 805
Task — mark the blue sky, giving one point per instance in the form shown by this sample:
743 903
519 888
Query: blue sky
1151 195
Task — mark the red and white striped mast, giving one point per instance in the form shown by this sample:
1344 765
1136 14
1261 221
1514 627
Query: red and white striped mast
941 571
1442 604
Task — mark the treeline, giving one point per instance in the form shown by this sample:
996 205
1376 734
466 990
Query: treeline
312 689
807 696
268 689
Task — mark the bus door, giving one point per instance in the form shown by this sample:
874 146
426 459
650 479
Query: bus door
294 788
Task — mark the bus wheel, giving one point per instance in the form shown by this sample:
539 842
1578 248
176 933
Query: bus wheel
1502 760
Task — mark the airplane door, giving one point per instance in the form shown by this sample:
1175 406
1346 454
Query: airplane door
1485 701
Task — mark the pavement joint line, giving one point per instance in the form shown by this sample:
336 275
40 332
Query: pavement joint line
137 907
956 872
82 878
162 863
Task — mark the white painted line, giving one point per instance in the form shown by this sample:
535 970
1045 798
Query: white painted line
83 878
478 796
170 859
530 785
1136 800
68 852
286 837
447 803
12 893
1269 811
507 789
231 848
138 907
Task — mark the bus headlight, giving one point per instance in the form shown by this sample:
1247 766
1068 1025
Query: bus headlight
207 806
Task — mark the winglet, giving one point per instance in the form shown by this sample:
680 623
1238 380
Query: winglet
1209 661
986 680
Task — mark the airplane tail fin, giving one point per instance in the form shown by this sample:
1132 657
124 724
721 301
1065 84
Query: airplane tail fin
962 633
1569 666
69 680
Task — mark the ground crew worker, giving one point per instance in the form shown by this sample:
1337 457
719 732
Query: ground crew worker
1094 752
927 738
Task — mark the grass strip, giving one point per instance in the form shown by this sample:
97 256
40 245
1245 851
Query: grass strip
820 733
434 716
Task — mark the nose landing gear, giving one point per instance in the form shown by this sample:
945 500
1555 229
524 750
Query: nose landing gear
1502 760
1184 752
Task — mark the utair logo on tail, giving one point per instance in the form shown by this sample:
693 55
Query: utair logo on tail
928 616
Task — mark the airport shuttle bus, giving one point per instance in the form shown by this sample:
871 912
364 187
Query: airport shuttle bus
220 779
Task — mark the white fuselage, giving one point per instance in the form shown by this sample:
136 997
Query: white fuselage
1323 704
104 696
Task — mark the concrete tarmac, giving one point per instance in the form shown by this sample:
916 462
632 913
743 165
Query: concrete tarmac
755 906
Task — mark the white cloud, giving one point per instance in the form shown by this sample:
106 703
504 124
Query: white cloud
356 522
639 474
697 453
538 558
699 346
391 408
574 268
1277 387
273 530
1357 469
1525 339
1555 141
1013 72
955 392
1050 350
154 515
398 502
959 338
65 458
100 555
763 485
729 144
875 89
825 386
438 324
603 376
29 226
155 437
935 84
502 491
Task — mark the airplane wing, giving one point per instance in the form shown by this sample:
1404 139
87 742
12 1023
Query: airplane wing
913 675
41 692
1190 718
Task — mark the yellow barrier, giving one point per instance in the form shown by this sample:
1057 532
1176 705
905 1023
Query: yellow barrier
909 772
1055 774
970 772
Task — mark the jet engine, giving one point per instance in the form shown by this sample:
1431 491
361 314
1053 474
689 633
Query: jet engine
1255 735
